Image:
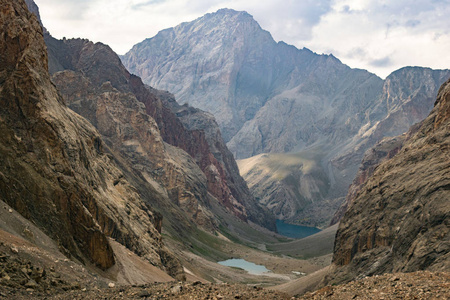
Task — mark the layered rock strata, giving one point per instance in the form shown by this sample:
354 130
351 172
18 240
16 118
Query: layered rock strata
89 73
54 169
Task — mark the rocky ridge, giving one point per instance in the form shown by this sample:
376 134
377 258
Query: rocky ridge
54 166
291 185
96 70
398 220
196 120
271 97
195 290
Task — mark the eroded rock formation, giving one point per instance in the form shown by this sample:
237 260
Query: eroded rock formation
399 220
54 169
96 85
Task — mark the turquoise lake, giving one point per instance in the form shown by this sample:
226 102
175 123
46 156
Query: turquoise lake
295 231
250 267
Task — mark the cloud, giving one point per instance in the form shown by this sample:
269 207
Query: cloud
391 34
66 9
378 35
146 3
381 62
290 21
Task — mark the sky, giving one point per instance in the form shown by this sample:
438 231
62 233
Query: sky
377 35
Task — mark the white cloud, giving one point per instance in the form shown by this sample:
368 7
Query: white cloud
382 36
377 35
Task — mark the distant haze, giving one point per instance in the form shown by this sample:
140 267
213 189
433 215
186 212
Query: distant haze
380 36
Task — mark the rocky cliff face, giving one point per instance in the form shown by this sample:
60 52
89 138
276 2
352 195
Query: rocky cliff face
196 120
382 151
270 97
96 85
54 169
398 221
126 127
232 68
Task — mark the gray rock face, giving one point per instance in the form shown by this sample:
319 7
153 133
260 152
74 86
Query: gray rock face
271 97
33 8
223 63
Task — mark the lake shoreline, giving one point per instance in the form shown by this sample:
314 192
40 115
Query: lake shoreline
295 231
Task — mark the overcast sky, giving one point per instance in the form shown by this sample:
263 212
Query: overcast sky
378 35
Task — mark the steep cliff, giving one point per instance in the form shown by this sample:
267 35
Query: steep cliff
399 220
96 85
385 149
196 120
271 97
54 169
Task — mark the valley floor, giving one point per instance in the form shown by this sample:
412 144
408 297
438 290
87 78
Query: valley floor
35 269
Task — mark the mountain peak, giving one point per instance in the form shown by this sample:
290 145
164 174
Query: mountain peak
231 12
227 17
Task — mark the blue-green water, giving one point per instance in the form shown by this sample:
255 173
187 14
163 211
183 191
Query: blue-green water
295 231
250 267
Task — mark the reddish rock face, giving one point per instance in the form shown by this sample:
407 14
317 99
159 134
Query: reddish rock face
193 142
54 169
398 221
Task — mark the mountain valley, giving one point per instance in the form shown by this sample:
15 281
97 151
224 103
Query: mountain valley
117 187
272 98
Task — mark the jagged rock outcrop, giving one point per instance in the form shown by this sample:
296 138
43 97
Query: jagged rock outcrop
271 97
132 133
54 166
399 220
96 85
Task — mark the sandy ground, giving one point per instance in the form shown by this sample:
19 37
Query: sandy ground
305 284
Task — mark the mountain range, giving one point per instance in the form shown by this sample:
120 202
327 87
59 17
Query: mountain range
137 161
171 157
270 97
105 180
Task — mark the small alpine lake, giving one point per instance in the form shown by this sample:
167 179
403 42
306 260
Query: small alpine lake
295 231
250 267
